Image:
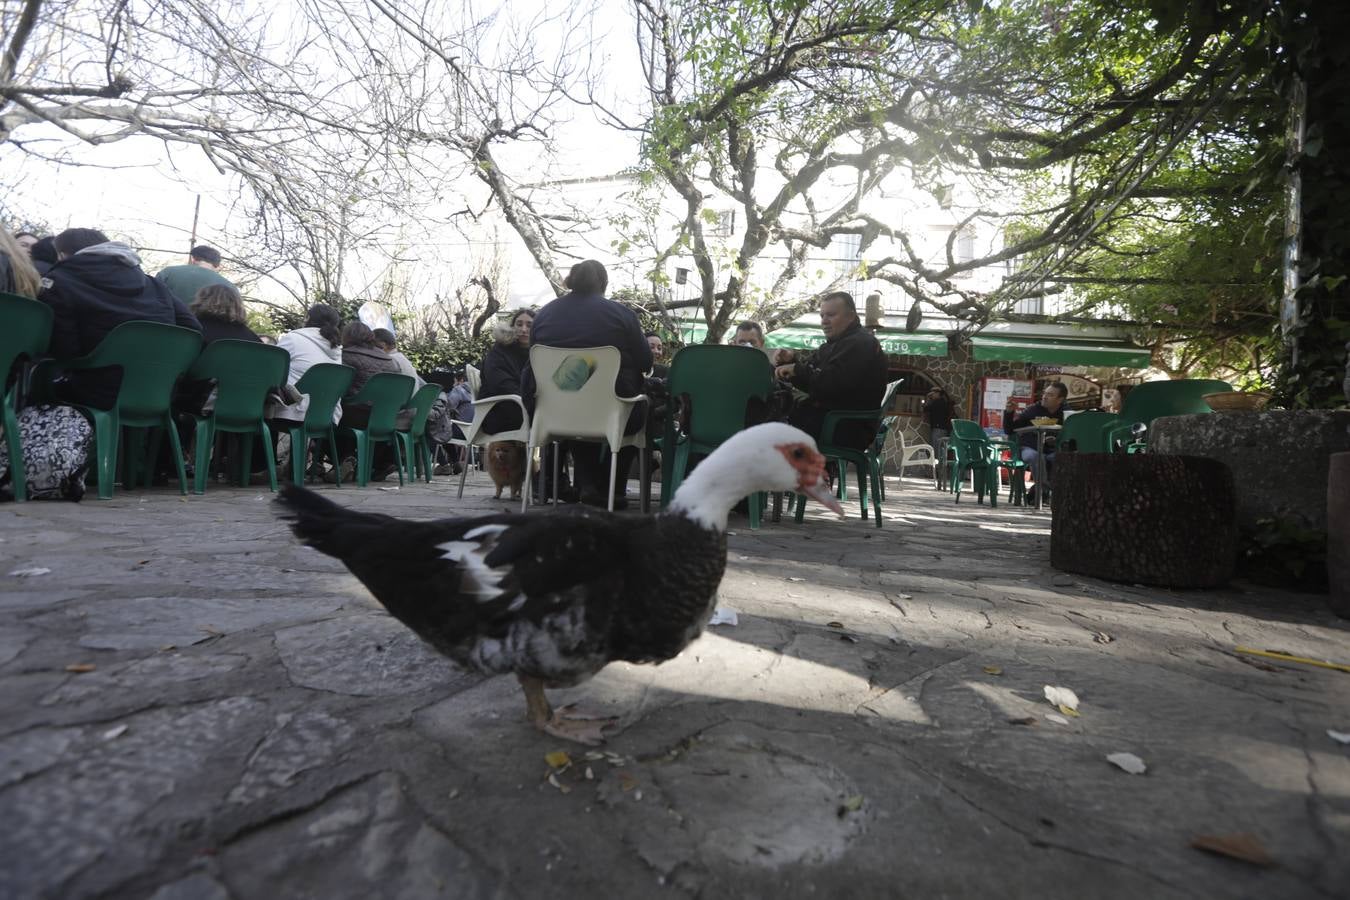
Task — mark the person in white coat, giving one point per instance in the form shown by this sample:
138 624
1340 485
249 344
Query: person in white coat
318 341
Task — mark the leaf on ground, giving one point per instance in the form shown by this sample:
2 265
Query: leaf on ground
1068 711
81 668
557 759
795 578
1340 737
1025 720
1061 697
1243 846
1102 637
627 782
553 780
1057 718
834 624
851 804
115 732
992 670
30 571
1127 762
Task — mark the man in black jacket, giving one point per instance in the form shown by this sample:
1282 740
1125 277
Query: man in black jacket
96 286
584 318
848 372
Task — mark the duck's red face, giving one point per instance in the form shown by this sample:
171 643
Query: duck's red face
810 466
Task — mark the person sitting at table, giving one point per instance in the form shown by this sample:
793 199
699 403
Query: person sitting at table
1051 406
847 372
583 317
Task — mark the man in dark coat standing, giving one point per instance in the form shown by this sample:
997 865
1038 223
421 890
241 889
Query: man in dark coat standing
97 285
848 372
584 318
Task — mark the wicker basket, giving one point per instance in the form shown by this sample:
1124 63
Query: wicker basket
1237 401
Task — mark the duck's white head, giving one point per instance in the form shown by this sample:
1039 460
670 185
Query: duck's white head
768 457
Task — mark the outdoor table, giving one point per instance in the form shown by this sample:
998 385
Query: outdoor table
1040 431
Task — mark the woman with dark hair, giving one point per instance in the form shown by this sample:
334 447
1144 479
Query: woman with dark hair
220 309
318 341
360 351
503 367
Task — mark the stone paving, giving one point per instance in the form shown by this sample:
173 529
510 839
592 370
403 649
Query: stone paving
195 707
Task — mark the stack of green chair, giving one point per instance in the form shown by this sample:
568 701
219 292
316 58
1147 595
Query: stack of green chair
152 357
713 383
387 393
867 462
416 450
974 453
27 330
324 384
243 371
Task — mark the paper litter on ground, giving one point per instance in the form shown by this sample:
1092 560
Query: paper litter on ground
724 615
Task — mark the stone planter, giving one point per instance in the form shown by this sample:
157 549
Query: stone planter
1279 458
1145 518
1338 533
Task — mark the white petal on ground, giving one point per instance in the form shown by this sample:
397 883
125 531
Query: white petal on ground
1128 762
1061 696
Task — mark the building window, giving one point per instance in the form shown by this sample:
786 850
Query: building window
846 251
681 276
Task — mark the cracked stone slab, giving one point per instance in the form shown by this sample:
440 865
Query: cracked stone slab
147 623
299 742
366 840
366 655
170 667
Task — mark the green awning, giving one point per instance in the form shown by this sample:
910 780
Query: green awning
1061 352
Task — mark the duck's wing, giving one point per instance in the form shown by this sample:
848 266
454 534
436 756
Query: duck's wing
456 576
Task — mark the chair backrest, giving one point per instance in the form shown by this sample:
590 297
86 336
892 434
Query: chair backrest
244 371
387 393
325 383
574 394
966 430
475 378
27 329
1085 432
421 404
1153 399
718 381
152 356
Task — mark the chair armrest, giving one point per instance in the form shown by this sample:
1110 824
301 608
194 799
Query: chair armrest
485 406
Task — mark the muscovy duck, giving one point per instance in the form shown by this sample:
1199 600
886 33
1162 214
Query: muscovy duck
555 598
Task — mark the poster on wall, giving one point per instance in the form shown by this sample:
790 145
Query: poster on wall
995 393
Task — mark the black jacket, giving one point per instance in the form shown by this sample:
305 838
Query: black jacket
92 293
367 361
502 370
574 320
847 372
1035 411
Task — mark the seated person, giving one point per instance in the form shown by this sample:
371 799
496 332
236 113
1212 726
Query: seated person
847 372
585 318
97 285
385 340
1050 407
360 352
660 369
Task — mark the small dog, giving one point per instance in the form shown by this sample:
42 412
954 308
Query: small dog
506 465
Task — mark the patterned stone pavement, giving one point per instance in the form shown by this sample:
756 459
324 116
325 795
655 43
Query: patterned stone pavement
195 707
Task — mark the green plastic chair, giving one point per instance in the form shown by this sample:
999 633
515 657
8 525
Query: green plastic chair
1085 432
387 393
977 454
714 383
1155 399
152 357
244 372
867 462
27 331
414 438
324 384
1013 465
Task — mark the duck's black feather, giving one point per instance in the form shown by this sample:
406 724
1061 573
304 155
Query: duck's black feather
551 596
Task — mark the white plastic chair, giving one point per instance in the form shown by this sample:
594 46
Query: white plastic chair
903 453
474 436
474 377
575 399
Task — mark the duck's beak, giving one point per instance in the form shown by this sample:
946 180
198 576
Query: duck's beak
819 490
